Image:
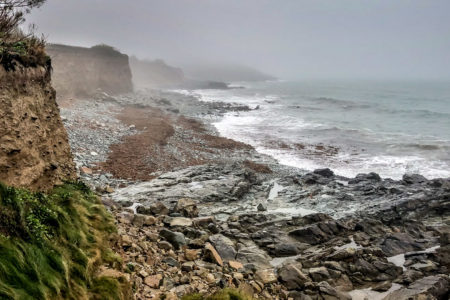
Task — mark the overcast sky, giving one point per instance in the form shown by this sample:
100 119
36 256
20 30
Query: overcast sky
287 38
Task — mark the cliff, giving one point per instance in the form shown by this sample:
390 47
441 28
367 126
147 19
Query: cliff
83 72
34 149
154 74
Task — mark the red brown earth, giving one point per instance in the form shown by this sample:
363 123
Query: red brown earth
164 142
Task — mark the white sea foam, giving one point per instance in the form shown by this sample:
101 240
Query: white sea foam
368 139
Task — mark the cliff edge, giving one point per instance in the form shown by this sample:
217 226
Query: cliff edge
34 148
83 72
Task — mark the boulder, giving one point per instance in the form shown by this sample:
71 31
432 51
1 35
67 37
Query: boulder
177 239
431 287
187 208
324 172
292 277
212 255
153 281
266 276
224 246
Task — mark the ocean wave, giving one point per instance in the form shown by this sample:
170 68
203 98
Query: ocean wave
420 113
341 103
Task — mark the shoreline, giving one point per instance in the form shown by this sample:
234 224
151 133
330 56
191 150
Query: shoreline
251 210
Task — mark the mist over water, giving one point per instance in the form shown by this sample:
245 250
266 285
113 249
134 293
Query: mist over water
353 127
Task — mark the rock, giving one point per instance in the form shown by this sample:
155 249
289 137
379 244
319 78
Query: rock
398 243
224 246
365 177
139 220
212 255
382 286
261 207
414 178
319 274
292 277
203 221
235 265
153 281
285 249
328 292
125 217
149 220
324 172
188 266
126 241
171 261
266 276
158 208
177 239
165 245
187 207
86 171
431 287
182 222
191 254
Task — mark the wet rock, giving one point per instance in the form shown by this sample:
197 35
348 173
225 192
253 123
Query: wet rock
365 177
177 239
431 287
398 243
324 172
414 179
292 277
261 207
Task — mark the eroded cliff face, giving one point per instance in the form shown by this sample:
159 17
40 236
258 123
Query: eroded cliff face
155 74
83 72
34 148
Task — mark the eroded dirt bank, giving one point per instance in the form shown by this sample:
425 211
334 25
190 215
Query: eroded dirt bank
34 149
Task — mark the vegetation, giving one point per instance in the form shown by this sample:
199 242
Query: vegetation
16 47
51 245
226 294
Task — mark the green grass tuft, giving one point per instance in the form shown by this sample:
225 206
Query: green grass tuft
51 245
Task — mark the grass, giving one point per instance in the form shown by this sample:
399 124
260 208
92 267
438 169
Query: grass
51 245
225 294
26 51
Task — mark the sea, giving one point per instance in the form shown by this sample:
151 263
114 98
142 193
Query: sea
351 127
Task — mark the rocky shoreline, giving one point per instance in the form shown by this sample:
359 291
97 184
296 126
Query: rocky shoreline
213 213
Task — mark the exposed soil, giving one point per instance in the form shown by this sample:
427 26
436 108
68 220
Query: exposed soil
164 142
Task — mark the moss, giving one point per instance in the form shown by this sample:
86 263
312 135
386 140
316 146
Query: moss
225 294
52 244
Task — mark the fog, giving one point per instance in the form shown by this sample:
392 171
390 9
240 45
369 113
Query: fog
289 39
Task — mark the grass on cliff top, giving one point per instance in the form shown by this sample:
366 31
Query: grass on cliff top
26 51
226 294
52 244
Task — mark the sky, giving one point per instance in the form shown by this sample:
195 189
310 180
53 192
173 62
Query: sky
291 39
